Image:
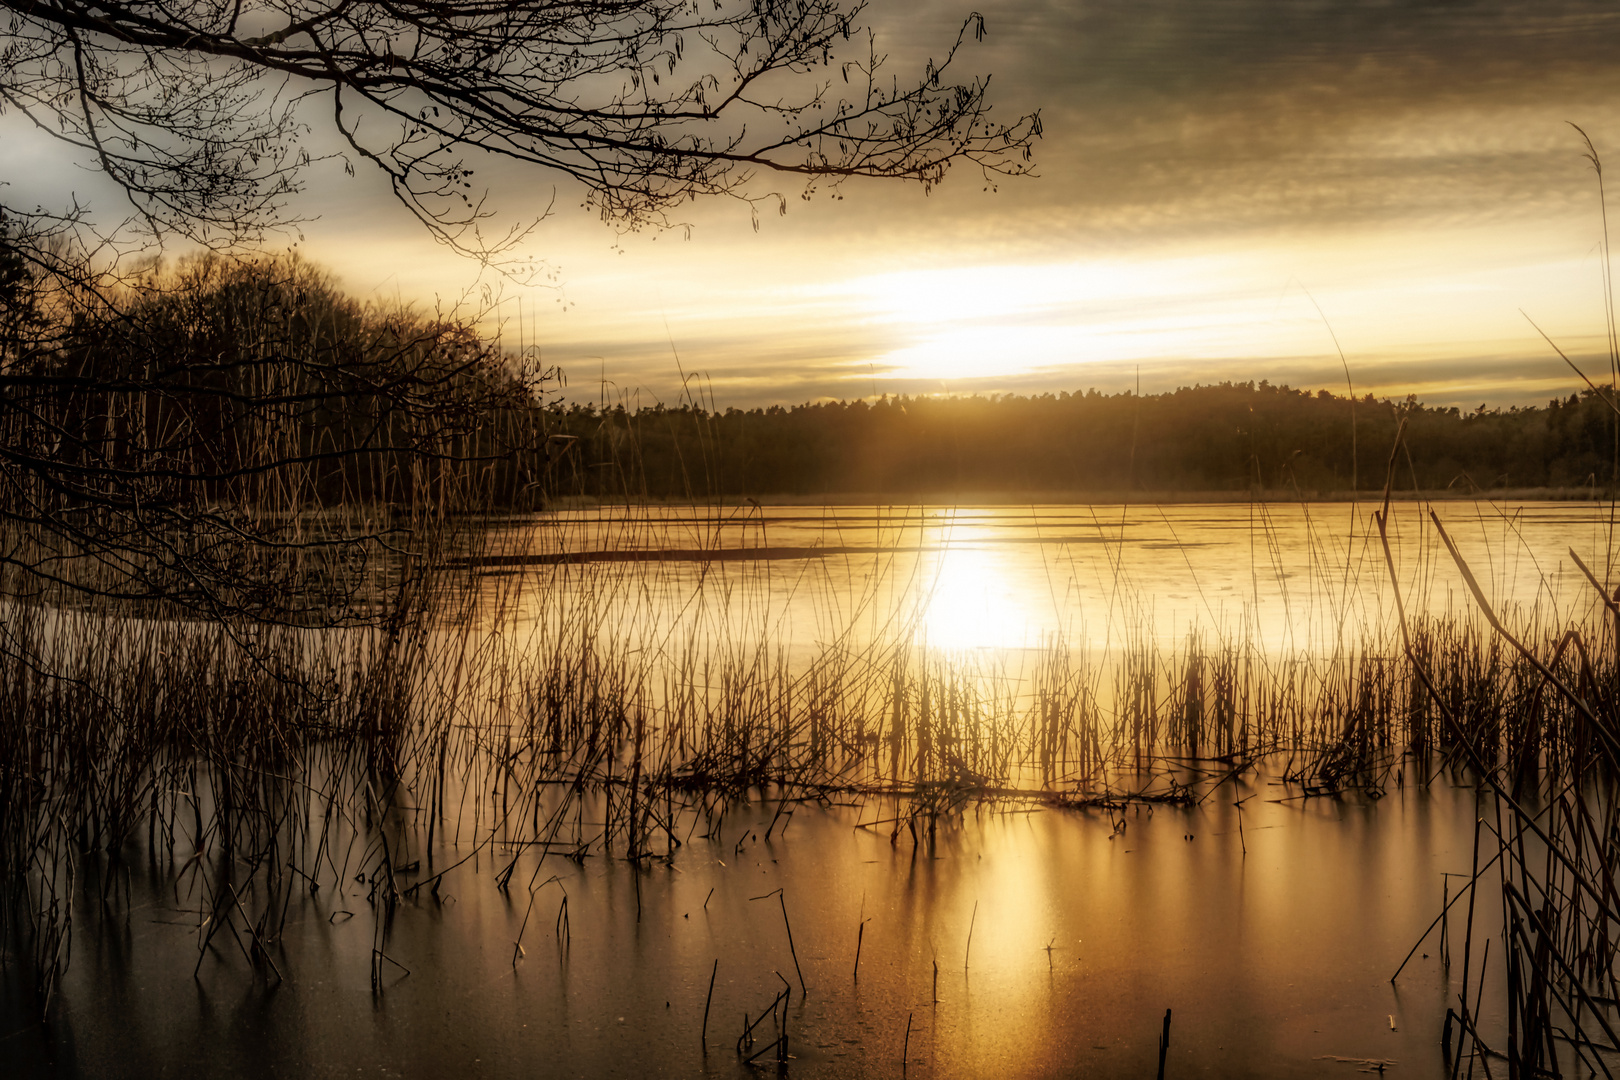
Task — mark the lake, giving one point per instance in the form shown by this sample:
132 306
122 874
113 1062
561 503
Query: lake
1276 962
1025 897
1006 581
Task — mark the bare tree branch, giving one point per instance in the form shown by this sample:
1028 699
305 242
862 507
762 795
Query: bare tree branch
191 106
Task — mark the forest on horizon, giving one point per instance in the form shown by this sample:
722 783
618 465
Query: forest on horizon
212 367
1227 437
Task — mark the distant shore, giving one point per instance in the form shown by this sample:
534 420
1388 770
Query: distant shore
1096 498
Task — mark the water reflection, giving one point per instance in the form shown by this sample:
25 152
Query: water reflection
1272 934
1280 577
972 603
1274 950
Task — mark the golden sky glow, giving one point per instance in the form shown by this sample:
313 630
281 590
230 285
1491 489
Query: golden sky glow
1206 171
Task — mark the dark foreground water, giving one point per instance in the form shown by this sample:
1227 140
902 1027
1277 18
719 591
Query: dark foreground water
1085 927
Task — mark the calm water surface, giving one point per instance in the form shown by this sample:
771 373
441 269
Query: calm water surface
1273 943
1280 576
1085 928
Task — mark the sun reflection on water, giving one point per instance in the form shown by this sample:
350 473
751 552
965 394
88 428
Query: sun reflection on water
972 603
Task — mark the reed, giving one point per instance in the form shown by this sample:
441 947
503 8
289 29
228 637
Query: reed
558 712
526 687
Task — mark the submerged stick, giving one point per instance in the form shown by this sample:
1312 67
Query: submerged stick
1164 1043
781 899
969 951
905 1051
704 1037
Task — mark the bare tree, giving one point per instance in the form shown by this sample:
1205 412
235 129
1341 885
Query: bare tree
231 444
234 439
199 108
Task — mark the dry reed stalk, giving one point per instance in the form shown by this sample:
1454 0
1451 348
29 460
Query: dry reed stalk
968 951
707 1001
613 707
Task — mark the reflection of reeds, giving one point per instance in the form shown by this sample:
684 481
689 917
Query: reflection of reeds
553 713
1558 904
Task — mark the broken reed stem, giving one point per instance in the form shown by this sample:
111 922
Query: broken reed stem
782 1039
748 1028
1455 900
968 952
1468 932
767 1048
778 893
1445 923
905 1050
782 899
707 1001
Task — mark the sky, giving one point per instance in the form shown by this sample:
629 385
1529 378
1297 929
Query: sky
1372 195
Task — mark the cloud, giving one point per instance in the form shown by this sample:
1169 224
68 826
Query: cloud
1204 164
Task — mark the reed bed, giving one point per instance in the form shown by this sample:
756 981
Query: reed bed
583 709
261 676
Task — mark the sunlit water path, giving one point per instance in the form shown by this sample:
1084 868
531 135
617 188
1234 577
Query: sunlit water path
1273 948
1011 939
997 578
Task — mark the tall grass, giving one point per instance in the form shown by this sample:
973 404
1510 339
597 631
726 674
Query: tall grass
490 696
585 708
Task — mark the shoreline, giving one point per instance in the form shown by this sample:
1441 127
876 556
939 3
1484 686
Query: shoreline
1091 498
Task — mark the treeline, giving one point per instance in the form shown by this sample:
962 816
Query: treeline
238 437
221 383
249 381
1229 437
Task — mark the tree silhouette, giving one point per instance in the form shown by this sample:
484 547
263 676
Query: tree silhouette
1231 437
237 438
198 108
241 440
